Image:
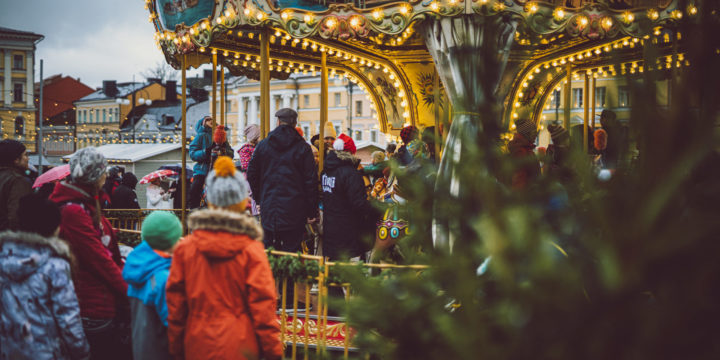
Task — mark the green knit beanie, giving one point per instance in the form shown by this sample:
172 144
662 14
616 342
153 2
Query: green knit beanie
161 230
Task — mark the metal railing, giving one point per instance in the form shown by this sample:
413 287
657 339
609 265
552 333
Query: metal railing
314 329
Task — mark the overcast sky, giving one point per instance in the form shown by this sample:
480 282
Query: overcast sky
93 40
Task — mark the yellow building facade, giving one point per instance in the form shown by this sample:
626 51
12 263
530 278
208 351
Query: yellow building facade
17 74
100 115
350 111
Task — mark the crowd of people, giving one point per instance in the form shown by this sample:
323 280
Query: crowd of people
68 293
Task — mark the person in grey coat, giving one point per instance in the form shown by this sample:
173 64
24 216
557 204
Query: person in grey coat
40 311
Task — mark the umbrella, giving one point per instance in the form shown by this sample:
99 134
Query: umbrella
157 174
178 168
56 173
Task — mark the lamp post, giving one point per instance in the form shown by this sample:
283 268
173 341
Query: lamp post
140 101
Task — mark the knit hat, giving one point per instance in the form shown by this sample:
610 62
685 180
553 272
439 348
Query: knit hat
330 130
161 230
558 134
38 215
339 145
86 166
130 180
252 132
408 134
224 186
220 136
10 150
527 129
378 156
299 130
349 144
600 137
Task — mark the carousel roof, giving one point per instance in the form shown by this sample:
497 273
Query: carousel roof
383 46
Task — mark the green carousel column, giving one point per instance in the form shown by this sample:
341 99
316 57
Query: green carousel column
470 54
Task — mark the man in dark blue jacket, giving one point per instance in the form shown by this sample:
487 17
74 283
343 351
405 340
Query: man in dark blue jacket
283 179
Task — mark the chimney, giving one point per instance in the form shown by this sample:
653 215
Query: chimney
110 88
207 74
171 90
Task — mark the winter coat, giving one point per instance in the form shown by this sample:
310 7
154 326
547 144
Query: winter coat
529 169
158 198
283 179
146 273
221 294
246 153
199 149
40 312
124 196
13 186
345 206
98 281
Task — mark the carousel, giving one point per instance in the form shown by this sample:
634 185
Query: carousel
439 63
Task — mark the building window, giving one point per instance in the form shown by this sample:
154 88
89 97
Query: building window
358 108
337 99
85 116
18 62
19 125
623 97
306 101
373 135
18 92
577 98
117 116
306 131
600 97
358 135
104 116
337 130
91 116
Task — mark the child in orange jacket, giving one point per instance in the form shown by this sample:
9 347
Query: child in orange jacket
221 293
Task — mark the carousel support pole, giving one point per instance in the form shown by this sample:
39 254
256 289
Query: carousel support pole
568 97
586 111
222 95
183 149
592 104
323 108
214 87
436 99
264 84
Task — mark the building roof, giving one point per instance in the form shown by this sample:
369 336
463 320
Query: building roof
13 33
132 152
124 89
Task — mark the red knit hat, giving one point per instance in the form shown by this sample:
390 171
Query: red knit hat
220 136
349 143
408 134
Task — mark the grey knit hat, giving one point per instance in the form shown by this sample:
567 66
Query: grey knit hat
225 186
86 166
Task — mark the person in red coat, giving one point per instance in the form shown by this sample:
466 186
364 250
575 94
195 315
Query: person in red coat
221 293
522 148
100 287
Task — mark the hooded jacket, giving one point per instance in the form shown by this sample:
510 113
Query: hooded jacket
199 148
283 180
40 312
124 196
13 186
146 273
98 282
221 293
345 206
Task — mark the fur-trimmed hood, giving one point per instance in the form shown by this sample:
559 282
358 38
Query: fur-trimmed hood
221 233
224 220
23 253
336 159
